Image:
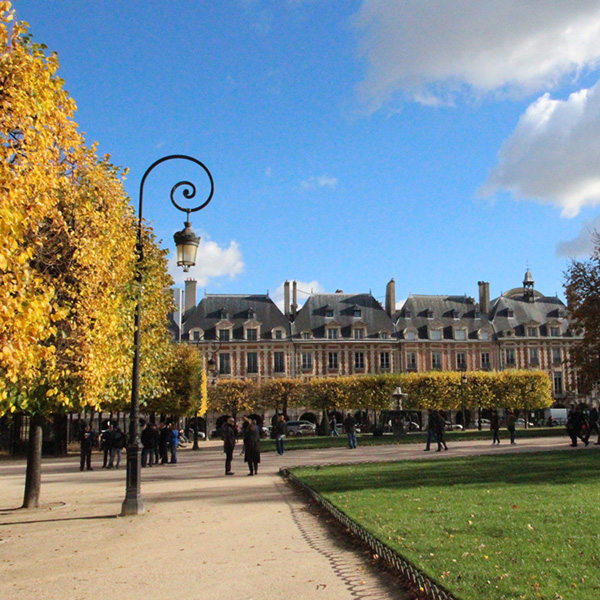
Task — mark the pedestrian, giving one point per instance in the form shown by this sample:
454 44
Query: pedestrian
252 447
495 427
333 432
117 443
86 440
163 442
510 425
280 432
430 429
155 439
439 420
593 425
147 439
350 427
228 434
173 442
105 443
575 421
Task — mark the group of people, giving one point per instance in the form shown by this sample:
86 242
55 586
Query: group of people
251 434
159 445
436 429
349 427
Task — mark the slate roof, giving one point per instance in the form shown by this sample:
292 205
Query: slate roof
421 312
238 309
312 316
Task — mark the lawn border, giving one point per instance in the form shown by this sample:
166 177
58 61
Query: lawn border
428 588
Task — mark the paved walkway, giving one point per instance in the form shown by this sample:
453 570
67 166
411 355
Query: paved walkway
203 535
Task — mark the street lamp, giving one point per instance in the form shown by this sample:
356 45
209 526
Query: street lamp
187 245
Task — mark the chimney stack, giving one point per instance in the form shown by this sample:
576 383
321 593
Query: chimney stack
190 295
390 298
294 299
484 297
286 298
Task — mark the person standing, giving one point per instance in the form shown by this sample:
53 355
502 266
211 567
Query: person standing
228 434
430 429
280 432
147 442
575 420
510 425
173 442
350 427
105 443
163 443
495 427
86 440
593 425
252 447
117 443
439 421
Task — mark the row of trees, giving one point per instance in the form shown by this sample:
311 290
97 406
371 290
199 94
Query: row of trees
68 259
516 389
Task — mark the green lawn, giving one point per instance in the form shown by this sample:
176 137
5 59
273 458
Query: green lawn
486 528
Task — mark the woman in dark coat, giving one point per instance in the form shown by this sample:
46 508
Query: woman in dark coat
252 446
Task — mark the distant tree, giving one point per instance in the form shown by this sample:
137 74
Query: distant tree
582 285
280 394
232 396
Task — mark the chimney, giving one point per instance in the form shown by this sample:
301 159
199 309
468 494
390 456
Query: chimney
286 299
390 298
294 299
484 297
190 295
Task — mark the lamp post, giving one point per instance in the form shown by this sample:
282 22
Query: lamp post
187 246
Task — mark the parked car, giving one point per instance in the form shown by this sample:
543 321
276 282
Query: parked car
521 423
295 428
450 426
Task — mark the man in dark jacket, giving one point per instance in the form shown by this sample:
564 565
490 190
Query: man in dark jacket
163 443
147 439
117 443
105 444
228 433
86 440
350 427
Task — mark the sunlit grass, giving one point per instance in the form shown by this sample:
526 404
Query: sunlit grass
487 528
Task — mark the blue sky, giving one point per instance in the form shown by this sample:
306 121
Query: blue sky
439 143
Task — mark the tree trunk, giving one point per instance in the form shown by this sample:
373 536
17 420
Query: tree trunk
33 476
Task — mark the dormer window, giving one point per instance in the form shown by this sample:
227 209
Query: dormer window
410 335
532 331
224 335
554 331
510 313
252 334
435 335
429 313
407 313
306 335
384 335
460 334
278 334
356 312
251 313
332 334
329 312
477 314
223 314
359 334
484 335
454 314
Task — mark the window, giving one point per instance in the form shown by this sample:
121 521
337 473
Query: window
532 332
484 335
558 383
278 334
307 361
461 360
306 335
411 336
252 362
534 358
411 361
359 361
196 336
555 331
224 335
332 334
252 334
329 312
460 334
510 356
356 312
278 362
556 356
359 334
436 360
384 360
384 335
224 364
485 360
435 334
332 362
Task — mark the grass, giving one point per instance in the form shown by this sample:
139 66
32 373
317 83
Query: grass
315 442
486 528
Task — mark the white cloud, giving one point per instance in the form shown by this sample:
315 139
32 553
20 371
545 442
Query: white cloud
322 181
583 244
304 289
269 172
431 49
553 156
212 262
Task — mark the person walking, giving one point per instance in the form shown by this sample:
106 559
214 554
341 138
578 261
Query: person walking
440 429
593 425
350 427
430 429
280 433
105 443
163 442
575 421
173 442
510 425
147 439
252 447
86 441
117 443
228 434
495 427
333 432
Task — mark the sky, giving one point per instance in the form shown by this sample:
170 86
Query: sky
436 142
